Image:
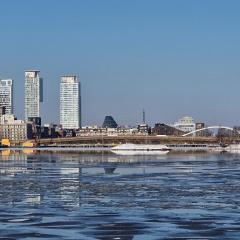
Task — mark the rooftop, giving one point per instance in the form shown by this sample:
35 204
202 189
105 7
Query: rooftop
32 71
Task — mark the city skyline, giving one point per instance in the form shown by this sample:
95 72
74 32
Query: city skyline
35 109
171 58
119 119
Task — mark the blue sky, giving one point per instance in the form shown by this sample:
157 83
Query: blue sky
172 58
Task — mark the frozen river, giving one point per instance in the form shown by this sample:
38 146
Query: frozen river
51 195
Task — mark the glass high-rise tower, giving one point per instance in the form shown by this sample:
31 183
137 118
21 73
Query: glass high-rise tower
70 102
6 96
33 94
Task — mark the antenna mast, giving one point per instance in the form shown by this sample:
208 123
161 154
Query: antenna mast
144 120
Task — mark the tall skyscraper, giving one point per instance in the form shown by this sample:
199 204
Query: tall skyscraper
70 102
6 96
33 94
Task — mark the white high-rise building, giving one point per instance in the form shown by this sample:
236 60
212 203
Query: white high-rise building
70 102
6 96
33 94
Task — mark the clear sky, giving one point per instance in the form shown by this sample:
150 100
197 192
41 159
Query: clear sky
172 58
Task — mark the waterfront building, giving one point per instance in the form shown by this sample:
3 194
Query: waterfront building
109 122
35 120
33 94
69 133
199 126
7 118
224 133
185 124
236 131
49 131
166 130
99 131
13 129
144 128
70 102
6 96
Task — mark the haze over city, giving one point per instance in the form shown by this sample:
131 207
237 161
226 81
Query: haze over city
172 58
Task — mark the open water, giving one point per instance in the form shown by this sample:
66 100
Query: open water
53 195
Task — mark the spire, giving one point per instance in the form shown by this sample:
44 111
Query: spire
144 120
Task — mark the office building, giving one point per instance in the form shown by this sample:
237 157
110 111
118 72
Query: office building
185 124
33 94
70 102
6 96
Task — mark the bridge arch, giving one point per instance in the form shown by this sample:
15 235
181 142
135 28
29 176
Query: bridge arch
206 128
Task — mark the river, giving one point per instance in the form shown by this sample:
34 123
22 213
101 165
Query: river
55 195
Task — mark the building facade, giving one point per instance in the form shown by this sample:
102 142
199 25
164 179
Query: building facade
109 122
185 124
201 133
236 131
100 131
70 102
33 94
166 130
144 128
13 129
6 96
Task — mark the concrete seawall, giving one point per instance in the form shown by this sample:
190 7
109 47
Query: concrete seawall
114 140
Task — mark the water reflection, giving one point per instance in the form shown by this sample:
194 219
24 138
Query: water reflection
104 196
109 170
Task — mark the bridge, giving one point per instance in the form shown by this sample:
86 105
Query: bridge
206 128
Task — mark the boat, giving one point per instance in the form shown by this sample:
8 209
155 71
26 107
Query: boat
232 148
140 149
186 147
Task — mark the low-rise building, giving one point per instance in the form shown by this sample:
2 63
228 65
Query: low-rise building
49 131
166 130
236 131
13 129
144 128
222 132
99 131
69 133
200 133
